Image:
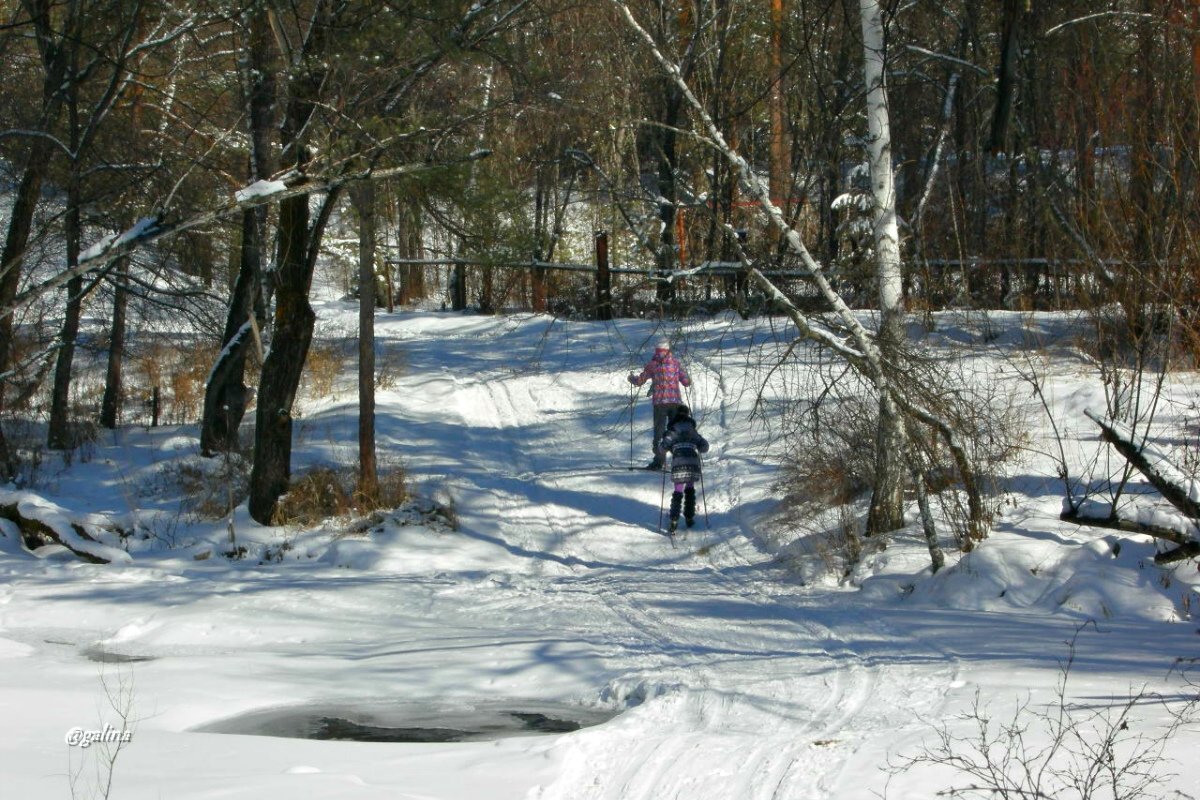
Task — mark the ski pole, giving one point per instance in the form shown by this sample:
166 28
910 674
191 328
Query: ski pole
632 394
704 496
661 499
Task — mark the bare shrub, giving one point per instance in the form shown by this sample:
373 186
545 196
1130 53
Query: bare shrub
180 371
27 449
442 507
828 464
209 488
103 746
29 371
992 424
1064 750
150 362
828 460
826 468
82 432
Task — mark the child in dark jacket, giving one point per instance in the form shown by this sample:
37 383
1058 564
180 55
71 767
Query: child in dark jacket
686 445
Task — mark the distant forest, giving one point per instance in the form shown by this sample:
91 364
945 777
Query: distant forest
189 159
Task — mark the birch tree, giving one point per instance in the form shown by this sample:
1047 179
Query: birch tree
850 340
887 499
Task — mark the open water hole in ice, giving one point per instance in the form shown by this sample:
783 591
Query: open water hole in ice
413 722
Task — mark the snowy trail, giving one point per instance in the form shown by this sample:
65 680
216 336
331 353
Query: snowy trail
699 614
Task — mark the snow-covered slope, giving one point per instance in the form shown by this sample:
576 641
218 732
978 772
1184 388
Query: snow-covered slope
721 674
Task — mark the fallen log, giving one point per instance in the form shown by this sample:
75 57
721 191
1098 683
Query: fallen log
41 523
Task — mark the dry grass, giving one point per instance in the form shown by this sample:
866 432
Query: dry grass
391 491
180 371
325 493
188 382
390 366
313 498
324 364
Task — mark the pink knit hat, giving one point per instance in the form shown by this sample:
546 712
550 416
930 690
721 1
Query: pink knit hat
663 344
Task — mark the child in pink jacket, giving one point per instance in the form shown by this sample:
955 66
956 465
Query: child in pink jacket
667 375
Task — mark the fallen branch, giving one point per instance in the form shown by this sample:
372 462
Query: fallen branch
1180 553
1176 487
1164 476
1128 526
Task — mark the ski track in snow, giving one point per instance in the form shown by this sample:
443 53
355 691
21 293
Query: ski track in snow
658 601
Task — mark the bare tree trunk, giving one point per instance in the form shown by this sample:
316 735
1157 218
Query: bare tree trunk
937 559
408 243
1141 297
458 283
537 276
58 431
668 192
368 477
887 497
110 406
1006 85
225 395
291 337
20 222
19 226
294 317
781 161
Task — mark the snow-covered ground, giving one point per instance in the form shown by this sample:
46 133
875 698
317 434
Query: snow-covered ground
716 669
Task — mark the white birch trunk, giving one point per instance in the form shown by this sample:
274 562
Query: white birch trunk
879 150
887 498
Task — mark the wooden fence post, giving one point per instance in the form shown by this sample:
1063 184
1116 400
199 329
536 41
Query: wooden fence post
603 279
458 287
537 285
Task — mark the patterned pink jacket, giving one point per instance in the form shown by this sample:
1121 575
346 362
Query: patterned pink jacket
667 373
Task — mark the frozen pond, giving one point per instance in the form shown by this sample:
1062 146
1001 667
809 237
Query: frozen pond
413 722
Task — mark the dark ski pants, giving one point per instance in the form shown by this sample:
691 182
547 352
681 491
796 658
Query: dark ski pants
685 495
662 416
